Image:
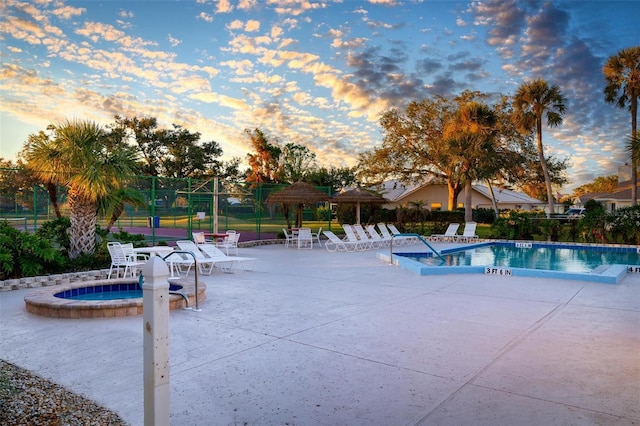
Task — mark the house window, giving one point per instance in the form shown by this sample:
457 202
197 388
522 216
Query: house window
461 205
436 206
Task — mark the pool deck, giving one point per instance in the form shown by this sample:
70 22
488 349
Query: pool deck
318 338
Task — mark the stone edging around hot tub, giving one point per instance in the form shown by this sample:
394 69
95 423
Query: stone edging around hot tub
44 303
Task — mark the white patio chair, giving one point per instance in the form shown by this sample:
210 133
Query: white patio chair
316 236
305 239
230 243
131 254
288 238
120 260
227 263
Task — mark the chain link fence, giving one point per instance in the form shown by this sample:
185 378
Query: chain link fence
173 208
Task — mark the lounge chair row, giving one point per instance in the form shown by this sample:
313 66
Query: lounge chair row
207 256
358 238
451 234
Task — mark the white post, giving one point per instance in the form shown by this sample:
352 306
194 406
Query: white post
155 316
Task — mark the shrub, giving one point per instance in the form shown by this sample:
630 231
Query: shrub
592 225
484 215
138 240
23 254
550 228
516 226
56 231
623 225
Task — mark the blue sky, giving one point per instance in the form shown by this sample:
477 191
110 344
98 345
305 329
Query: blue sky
309 72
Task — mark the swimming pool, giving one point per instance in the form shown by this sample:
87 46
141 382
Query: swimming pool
607 264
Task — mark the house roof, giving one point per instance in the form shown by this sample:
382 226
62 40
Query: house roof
621 193
395 190
507 196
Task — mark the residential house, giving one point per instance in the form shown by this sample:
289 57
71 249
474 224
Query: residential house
434 195
620 197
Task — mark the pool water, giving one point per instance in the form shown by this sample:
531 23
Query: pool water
573 259
108 292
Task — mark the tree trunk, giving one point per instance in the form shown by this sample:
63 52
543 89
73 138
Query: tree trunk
468 208
493 199
545 169
53 197
452 200
634 163
83 219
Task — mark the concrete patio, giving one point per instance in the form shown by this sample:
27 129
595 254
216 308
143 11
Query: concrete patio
318 338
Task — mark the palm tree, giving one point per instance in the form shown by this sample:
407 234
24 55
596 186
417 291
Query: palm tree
532 101
113 205
471 136
622 73
77 157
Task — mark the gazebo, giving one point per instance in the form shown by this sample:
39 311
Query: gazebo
359 196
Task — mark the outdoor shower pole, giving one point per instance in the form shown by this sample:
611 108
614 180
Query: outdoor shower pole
155 319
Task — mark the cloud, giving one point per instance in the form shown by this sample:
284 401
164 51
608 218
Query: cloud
205 17
173 41
224 6
68 12
505 18
252 26
125 14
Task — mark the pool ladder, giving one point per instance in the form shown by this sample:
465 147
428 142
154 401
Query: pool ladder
420 237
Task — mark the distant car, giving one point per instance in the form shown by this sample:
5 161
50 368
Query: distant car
575 213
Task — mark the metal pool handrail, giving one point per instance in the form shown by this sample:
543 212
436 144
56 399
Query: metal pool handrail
195 267
411 235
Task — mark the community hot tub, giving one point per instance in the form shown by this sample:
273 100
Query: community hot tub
71 303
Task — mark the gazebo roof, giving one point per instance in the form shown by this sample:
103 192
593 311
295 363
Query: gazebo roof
361 196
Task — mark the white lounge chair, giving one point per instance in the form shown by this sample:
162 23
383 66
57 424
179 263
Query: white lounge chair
363 236
405 239
227 263
336 244
386 235
351 236
449 234
205 265
384 242
469 233
288 238
199 238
